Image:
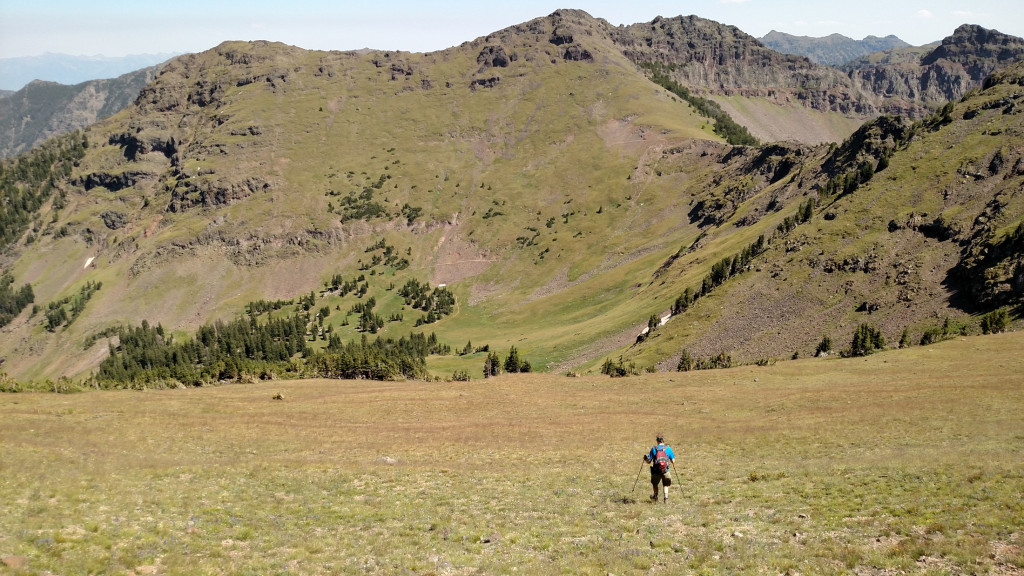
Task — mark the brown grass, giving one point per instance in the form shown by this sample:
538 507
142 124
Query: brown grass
900 463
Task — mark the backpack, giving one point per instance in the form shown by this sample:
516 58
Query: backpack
660 462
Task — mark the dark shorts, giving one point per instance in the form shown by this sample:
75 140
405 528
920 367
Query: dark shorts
657 477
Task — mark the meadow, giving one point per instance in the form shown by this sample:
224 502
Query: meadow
903 462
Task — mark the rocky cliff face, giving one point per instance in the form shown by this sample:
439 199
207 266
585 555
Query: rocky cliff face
719 59
961 62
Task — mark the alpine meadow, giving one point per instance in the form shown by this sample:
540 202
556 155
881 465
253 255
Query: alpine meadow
382 312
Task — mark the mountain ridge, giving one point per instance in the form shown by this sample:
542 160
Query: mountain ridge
562 197
43 109
832 50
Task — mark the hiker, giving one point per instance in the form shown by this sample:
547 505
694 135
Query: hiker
659 458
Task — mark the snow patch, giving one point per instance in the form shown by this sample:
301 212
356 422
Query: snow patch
89 261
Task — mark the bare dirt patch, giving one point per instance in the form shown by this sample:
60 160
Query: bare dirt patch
457 259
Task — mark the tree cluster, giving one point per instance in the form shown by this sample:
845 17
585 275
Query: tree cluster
514 364
381 359
219 351
368 320
27 182
58 312
994 322
619 369
261 306
720 272
388 257
362 206
688 362
12 301
849 182
803 214
494 366
866 339
344 287
437 303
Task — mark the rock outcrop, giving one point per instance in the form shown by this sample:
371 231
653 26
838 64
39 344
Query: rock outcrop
717 59
961 62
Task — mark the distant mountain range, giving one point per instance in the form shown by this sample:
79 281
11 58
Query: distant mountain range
15 73
42 109
833 50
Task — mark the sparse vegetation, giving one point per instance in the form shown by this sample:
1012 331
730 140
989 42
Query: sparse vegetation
619 369
851 457
721 271
994 322
362 206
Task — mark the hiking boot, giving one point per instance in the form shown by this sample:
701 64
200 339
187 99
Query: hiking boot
666 499
654 498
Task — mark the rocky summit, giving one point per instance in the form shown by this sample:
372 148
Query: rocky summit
562 188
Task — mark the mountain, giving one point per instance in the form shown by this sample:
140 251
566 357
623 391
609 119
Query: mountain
564 200
777 96
813 103
961 62
41 110
832 50
16 73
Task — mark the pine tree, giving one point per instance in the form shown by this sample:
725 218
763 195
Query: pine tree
824 347
512 362
492 365
686 362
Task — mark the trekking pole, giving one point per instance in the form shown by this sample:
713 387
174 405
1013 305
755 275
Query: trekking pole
637 477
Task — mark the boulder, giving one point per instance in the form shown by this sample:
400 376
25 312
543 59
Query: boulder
492 57
577 53
484 82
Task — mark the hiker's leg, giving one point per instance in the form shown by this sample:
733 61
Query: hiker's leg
666 481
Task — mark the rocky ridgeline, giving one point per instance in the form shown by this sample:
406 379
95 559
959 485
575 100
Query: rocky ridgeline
719 59
961 62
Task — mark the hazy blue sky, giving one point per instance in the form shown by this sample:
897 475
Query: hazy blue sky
117 27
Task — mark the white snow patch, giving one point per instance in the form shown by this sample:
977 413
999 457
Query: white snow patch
89 261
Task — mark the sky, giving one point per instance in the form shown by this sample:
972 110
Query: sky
119 27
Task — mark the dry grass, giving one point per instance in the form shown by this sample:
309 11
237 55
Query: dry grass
905 462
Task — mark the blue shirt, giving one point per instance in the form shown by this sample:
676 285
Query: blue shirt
654 452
